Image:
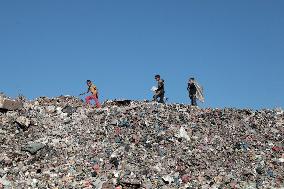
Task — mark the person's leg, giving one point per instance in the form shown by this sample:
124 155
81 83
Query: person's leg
191 99
88 99
155 97
161 96
194 101
97 102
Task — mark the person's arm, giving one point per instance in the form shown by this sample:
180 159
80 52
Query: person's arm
194 90
85 92
95 90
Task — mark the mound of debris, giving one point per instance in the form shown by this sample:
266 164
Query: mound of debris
62 143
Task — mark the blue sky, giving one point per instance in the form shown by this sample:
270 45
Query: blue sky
235 49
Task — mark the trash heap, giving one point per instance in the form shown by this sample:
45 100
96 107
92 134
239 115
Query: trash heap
62 143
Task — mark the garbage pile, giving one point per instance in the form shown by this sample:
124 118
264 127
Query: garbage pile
62 143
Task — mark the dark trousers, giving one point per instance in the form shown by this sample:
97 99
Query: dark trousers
193 100
160 96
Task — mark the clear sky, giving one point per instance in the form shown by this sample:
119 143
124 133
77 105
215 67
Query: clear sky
235 49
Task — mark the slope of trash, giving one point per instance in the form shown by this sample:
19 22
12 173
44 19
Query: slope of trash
61 143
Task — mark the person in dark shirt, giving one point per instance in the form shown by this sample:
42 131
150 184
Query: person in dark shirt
192 91
160 92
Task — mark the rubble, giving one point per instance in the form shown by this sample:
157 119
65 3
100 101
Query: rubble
10 104
33 148
133 144
23 122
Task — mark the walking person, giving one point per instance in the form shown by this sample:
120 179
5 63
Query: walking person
192 91
94 94
160 91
